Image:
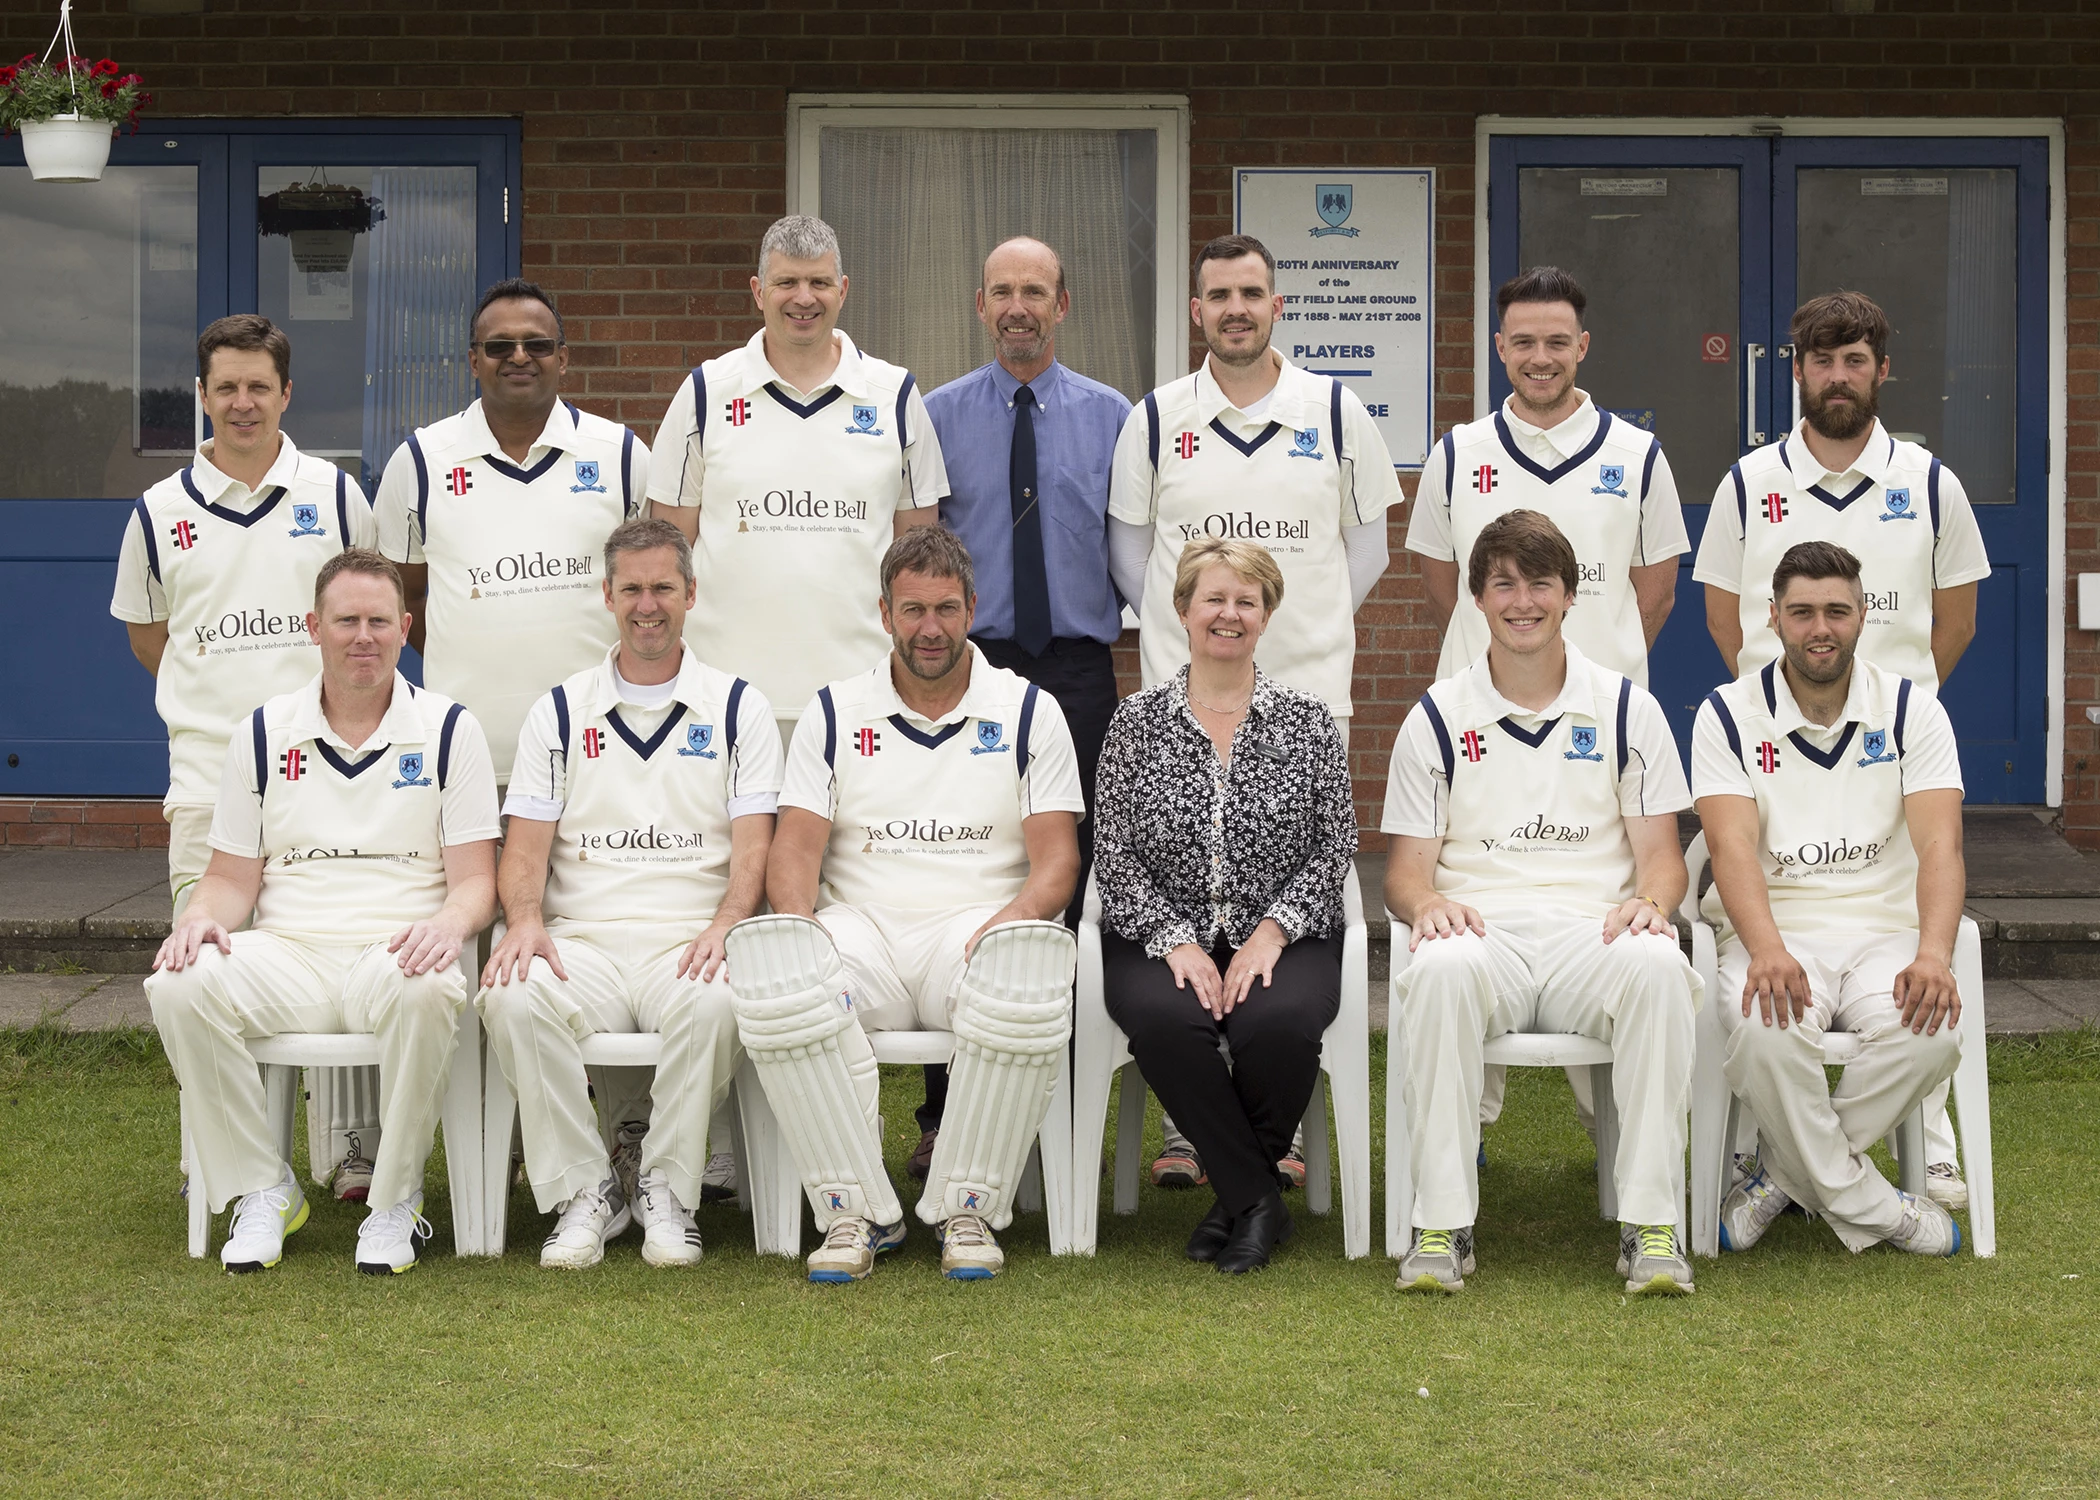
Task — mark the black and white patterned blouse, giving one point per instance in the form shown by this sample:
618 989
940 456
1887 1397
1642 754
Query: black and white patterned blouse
1187 849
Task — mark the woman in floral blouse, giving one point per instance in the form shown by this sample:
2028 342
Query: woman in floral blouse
1226 827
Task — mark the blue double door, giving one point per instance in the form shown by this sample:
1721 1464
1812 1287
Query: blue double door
108 286
1694 253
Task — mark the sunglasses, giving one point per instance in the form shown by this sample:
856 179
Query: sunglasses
505 348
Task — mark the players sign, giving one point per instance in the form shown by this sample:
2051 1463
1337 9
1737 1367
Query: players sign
1353 262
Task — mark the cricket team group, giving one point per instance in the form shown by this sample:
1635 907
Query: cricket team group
801 723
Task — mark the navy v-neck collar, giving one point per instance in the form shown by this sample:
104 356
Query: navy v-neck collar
646 748
1524 461
227 513
1247 449
932 741
1827 759
350 770
797 407
523 476
1833 501
1527 737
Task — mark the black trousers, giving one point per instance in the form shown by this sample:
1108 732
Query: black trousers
1240 1118
1081 675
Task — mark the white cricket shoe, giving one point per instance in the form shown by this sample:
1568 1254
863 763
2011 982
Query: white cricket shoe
1439 1260
386 1241
587 1221
968 1251
718 1180
669 1237
1943 1185
261 1221
1653 1262
1927 1229
850 1247
1749 1209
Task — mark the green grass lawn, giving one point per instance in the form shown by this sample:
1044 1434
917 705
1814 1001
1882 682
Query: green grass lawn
128 1369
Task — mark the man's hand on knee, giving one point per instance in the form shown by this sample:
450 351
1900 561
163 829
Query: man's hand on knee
424 946
1441 917
1927 995
1776 981
707 953
513 957
1637 915
189 938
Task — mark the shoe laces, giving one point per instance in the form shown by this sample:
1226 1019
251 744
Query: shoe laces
1945 1169
848 1234
271 1200
968 1231
1658 1240
1437 1242
659 1204
403 1220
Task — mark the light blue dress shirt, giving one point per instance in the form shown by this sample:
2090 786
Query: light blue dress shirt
1076 424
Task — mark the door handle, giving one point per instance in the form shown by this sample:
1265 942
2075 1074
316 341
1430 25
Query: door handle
1786 352
1752 354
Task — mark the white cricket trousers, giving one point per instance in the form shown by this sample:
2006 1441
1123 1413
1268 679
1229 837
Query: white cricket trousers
619 981
1547 972
270 984
1813 1138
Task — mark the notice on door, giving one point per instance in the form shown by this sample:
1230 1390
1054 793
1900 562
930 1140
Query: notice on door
1355 266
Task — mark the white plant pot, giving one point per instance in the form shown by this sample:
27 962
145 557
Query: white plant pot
66 148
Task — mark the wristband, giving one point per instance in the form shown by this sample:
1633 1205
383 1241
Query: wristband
1656 904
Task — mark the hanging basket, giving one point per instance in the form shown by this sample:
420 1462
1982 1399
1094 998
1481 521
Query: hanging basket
66 148
322 219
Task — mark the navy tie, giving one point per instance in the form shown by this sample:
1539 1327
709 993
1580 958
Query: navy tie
1031 580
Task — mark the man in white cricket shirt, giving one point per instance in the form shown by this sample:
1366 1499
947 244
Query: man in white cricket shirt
640 811
496 514
790 464
1603 481
1831 793
1841 477
1532 804
356 822
1251 446
929 822
213 583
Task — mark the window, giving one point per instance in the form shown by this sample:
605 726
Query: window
920 191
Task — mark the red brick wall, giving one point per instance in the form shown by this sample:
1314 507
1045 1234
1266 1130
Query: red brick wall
62 824
655 147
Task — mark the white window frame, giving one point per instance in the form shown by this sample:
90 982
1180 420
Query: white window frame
1167 116
1487 127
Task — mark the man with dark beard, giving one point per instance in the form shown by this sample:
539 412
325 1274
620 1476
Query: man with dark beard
1841 477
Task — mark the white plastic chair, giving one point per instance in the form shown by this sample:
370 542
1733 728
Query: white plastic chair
1100 1049
1513 1049
771 1188
281 1057
1715 1109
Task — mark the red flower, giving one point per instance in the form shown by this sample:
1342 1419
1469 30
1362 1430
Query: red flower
7 77
109 89
104 69
25 60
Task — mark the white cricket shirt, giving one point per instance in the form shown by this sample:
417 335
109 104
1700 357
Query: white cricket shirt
1532 806
231 570
353 838
1898 509
642 796
1603 481
798 494
1835 847
926 814
514 552
1191 466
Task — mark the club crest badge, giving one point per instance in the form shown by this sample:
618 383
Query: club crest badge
1611 480
699 740
864 422
411 768
306 521
1583 740
989 741
586 478
1334 201
1876 745
1305 443
1895 506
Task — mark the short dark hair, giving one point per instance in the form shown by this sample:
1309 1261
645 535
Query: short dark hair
1541 284
933 551
1231 247
1815 560
517 288
1529 542
646 534
358 560
246 331
1836 319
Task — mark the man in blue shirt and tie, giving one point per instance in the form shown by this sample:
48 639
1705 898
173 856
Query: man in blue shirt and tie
1028 444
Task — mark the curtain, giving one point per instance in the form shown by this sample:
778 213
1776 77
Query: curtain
421 293
1982 332
918 209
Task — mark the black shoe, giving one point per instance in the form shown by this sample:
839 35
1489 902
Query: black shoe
921 1162
1254 1234
1211 1234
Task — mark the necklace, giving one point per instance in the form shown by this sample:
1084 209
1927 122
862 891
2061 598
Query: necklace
1223 712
